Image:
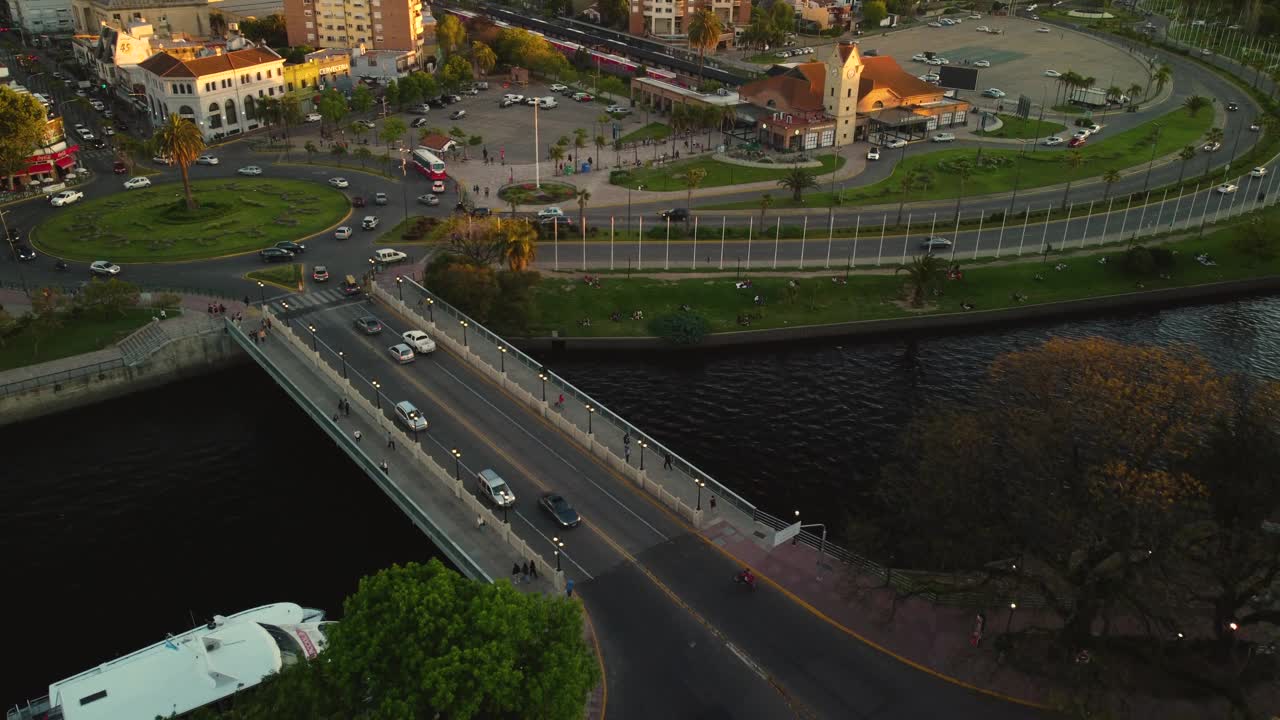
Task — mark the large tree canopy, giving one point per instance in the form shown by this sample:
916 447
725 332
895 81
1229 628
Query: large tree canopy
22 129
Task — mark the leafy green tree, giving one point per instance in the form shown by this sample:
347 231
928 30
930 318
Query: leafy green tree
583 197
766 201
363 154
693 178
311 150
1109 178
290 114
269 30
518 240
180 140
873 12
22 130
924 274
1185 155
704 33
515 309
471 287
455 72
1195 103
393 129
911 179
109 297
797 181
483 57
450 35
298 54
361 98
393 93
333 107
615 13
46 315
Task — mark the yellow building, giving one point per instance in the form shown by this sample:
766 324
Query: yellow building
302 81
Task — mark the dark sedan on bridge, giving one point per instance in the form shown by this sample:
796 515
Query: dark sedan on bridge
560 510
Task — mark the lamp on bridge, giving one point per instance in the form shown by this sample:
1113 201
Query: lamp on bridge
312 328
590 412
464 332
643 445
377 393
701 484
543 378
262 293
558 545
400 287
343 356
457 464
502 358
431 310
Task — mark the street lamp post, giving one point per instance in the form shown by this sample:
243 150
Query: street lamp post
590 413
822 548
559 545
262 293
431 310
312 328
400 286
343 357
1009 620
701 484
543 378
1155 139
377 393
502 358
643 445
457 464
464 332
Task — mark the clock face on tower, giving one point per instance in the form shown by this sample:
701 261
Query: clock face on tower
851 74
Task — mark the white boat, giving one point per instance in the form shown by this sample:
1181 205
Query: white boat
187 671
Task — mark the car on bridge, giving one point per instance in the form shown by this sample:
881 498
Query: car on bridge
104 268
134 183
937 241
560 510
401 353
494 489
66 197
410 416
367 324
1226 189
419 341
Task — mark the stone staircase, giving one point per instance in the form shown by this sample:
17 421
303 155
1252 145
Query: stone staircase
136 348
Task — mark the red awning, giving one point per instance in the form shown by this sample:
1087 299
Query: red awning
40 168
65 162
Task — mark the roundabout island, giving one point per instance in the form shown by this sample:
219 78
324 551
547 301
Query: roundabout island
153 224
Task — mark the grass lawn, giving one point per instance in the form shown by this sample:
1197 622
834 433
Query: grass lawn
1039 168
153 224
287 276
561 303
652 131
671 175
1016 127
77 335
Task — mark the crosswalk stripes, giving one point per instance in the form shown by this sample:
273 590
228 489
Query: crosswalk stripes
315 299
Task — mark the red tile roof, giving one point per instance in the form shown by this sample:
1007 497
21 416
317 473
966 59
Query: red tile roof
798 89
166 65
879 72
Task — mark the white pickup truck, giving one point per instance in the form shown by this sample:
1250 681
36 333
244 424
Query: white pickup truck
387 256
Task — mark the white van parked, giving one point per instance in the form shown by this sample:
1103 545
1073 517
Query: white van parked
547 102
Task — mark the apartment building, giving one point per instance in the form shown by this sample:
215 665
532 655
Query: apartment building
665 19
43 17
167 17
220 93
374 24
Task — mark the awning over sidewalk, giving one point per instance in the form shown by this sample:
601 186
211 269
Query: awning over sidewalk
65 162
39 168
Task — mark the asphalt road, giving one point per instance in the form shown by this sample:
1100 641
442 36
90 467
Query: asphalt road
679 638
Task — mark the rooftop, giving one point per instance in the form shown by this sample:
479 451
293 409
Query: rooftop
166 65
710 98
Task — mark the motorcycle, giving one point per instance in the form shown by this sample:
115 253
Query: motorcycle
61 265
746 579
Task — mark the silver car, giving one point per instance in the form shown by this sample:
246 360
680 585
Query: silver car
410 416
402 353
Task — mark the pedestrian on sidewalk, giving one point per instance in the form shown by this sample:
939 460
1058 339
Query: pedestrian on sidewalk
385 470
515 573
533 570
341 402
626 453
346 408
626 437
666 465
486 191
568 588
209 309
524 572
246 301
222 309
357 435
391 441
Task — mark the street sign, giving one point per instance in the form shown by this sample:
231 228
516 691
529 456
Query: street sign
786 534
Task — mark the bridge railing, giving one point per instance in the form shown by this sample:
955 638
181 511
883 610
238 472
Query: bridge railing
60 377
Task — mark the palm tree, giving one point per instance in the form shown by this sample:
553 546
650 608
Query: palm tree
1114 92
1213 136
766 200
1195 103
923 274
693 177
911 179
584 197
1134 90
1073 159
483 58
600 142
1186 154
963 170
1162 77
728 118
797 181
357 129
519 243
704 33
557 154
1111 177
311 149
181 141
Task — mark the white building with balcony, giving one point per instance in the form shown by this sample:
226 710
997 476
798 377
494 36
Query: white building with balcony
219 93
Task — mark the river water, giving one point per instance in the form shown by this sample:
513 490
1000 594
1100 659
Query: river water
124 521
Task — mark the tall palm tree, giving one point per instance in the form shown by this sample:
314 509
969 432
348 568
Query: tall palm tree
483 57
963 170
182 141
1213 136
693 177
923 274
556 152
797 181
519 243
766 200
584 197
1195 103
1162 77
1073 159
1134 90
912 179
1185 155
1114 92
1109 178
704 33
728 118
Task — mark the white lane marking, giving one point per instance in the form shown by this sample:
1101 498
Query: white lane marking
751 664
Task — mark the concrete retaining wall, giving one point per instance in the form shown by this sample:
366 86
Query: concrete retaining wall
183 358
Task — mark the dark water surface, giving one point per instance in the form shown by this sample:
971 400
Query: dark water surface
123 521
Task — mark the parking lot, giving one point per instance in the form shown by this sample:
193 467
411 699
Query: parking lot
509 130
1019 55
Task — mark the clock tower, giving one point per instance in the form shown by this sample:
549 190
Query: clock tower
840 93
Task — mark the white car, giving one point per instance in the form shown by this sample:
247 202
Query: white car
66 197
933 61
314 117
930 78
513 98
419 341
982 63
85 134
137 182
250 170
429 199
109 131
919 57
1206 51
1212 147
1082 133
994 93
1052 73
369 222
437 186
550 212
104 267
1053 140
873 154
935 24
1043 29
162 160
618 110
557 87
495 489
983 28
1094 129
342 233
942 61
339 182
943 137
937 241
207 159
1258 172
896 143
388 256
1227 188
